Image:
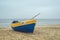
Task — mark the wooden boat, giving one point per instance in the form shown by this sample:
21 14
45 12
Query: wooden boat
28 26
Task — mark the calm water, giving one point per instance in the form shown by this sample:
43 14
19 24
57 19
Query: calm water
7 22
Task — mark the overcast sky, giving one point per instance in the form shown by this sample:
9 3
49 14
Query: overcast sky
49 9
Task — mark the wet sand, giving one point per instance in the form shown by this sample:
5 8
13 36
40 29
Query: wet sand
44 32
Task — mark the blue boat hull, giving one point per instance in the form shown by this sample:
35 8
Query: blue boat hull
25 28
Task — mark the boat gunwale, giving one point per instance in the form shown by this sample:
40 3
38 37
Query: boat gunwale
23 25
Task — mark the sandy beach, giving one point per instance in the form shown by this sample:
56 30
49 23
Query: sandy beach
44 32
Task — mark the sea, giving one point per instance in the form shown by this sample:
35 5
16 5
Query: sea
6 23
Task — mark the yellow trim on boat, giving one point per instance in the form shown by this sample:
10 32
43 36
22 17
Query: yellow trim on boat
30 21
25 23
16 24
